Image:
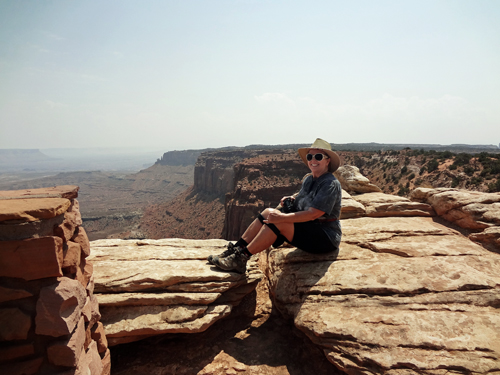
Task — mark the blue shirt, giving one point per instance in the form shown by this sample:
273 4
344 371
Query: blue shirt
325 194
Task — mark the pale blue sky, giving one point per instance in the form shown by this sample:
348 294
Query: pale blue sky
195 74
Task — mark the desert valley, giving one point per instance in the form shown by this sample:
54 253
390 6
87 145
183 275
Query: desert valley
420 246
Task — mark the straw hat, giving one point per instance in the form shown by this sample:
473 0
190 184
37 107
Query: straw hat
327 148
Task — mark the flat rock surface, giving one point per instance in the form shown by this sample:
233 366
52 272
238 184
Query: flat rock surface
63 191
152 287
402 296
24 210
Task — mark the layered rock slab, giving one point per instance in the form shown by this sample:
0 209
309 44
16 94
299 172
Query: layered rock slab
152 287
402 296
472 210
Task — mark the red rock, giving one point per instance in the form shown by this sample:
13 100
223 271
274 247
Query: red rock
72 254
73 213
67 352
31 229
80 237
16 351
67 229
99 337
31 259
18 325
106 363
9 294
82 275
22 368
96 315
63 191
59 307
90 363
87 310
91 285
88 335
32 209
88 270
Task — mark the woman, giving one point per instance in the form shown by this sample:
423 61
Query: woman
313 227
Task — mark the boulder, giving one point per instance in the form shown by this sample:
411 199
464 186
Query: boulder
32 259
16 324
59 307
402 296
67 352
350 207
353 181
468 209
152 287
381 204
475 211
23 210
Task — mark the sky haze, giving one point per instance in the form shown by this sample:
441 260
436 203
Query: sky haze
191 74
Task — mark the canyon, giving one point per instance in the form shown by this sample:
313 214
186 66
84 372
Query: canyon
424 254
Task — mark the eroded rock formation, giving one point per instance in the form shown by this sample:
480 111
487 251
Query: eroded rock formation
153 287
402 296
48 312
476 211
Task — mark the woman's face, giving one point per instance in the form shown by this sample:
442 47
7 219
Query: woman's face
318 167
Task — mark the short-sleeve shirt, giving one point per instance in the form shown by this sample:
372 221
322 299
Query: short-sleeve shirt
325 194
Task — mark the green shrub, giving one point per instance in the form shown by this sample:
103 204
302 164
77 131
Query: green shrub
468 170
432 165
462 159
494 186
411 177
476 180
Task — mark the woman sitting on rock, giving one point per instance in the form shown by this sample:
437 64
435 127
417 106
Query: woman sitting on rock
314 224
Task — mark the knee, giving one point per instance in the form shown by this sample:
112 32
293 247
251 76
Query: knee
266 212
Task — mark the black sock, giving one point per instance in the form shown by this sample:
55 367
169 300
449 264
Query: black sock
245 251
241 243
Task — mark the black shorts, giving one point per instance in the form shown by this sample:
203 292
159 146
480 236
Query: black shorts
309 237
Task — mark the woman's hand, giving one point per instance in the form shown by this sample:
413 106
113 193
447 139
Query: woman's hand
275 216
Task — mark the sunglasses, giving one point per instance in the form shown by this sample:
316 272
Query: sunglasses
318 157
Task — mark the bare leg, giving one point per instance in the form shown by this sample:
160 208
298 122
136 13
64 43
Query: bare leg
266 237
254 228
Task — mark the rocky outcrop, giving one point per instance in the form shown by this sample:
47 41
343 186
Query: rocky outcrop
353 181
49 314
476 211
380 204
152 287
402 296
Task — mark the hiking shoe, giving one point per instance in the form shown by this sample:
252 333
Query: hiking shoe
230 249
237 261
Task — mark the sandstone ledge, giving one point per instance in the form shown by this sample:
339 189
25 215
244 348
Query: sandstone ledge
402 296
152 287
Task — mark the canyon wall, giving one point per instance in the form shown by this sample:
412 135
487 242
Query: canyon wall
250 180
50 316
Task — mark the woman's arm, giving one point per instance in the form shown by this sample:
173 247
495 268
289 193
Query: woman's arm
276 216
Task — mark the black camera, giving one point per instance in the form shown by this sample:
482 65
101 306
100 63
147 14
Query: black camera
287 206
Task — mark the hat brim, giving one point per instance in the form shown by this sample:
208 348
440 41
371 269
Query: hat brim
334 158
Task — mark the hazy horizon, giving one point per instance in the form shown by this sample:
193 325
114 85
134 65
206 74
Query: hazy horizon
180 75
